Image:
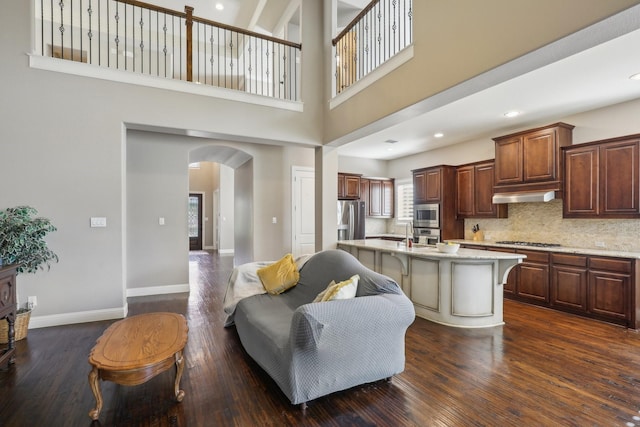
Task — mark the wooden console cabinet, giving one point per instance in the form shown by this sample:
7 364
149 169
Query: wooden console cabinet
8 309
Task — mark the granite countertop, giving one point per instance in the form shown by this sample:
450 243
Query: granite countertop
427 251
559 249
390 235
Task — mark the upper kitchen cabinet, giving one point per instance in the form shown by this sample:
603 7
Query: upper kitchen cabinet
602 179
427 184
348 186
474 185
438 185
531 160
380 197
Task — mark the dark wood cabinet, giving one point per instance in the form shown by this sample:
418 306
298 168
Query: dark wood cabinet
8 310
532 277
569 281
427 185
379 194
437 184
348 186
388 198
610 294
531 160
474 189
602 179
599 287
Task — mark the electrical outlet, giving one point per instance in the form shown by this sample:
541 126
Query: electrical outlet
600 245
274 220
32 302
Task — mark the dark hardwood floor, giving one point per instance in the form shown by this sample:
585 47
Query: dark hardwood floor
542 368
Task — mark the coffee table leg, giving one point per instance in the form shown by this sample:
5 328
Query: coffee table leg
179 368
95 387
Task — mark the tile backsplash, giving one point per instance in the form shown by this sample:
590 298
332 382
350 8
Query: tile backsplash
543 222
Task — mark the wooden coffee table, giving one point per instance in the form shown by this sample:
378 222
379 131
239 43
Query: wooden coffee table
136 349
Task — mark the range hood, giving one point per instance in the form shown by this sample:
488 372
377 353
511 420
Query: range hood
523 197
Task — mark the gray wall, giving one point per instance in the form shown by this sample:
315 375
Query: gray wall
65 144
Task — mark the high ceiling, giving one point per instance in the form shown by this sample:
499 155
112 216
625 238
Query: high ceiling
584 72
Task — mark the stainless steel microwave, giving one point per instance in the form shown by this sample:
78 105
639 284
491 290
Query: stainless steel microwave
426 215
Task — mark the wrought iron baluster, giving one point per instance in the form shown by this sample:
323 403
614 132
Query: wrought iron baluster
90 34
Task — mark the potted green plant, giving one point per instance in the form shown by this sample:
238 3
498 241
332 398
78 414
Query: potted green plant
22 242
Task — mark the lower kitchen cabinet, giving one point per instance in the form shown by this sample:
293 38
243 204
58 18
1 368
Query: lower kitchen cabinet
532 281
569 276
610 293
603 288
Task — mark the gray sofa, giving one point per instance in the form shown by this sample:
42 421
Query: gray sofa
313 349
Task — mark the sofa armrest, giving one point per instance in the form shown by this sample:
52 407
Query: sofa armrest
336 345
361 316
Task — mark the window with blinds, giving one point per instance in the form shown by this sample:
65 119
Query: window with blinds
404 202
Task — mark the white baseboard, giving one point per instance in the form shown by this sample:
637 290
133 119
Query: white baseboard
225 251
78 317
209 248
157 290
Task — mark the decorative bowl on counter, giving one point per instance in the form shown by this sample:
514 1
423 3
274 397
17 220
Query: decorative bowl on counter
449 248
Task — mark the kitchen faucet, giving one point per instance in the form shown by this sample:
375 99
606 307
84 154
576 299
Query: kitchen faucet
407 226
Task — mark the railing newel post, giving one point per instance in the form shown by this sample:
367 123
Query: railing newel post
189 23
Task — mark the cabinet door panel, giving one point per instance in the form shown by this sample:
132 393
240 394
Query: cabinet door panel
569 287
539 156
419 187
352 187
433 185
483 191
534 282
465 187
609 294
388 198
619 178
509 161
375 198
581 182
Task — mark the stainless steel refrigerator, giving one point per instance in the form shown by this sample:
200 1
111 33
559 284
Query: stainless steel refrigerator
350 219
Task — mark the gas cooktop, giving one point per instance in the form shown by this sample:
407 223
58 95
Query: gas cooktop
536 244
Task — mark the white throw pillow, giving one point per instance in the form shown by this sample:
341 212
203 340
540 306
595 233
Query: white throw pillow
342 290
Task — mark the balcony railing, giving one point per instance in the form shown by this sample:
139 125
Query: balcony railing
143 38
380 31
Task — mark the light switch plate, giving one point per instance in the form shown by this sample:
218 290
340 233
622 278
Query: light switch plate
98 221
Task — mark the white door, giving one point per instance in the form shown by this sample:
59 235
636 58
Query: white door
303 184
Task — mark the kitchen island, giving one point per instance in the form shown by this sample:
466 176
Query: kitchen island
463 289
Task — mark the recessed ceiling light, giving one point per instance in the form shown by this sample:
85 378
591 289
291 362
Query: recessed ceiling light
635 76
219 6
438 135
512 114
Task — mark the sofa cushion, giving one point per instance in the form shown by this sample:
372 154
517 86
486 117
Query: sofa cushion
342 290
279 276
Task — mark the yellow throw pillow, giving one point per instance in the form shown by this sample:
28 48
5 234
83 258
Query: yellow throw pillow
279 276
343 290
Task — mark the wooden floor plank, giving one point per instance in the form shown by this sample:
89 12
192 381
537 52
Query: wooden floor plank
541 368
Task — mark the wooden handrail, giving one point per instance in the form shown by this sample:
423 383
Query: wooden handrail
209 22
154 8
246 32
355 21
